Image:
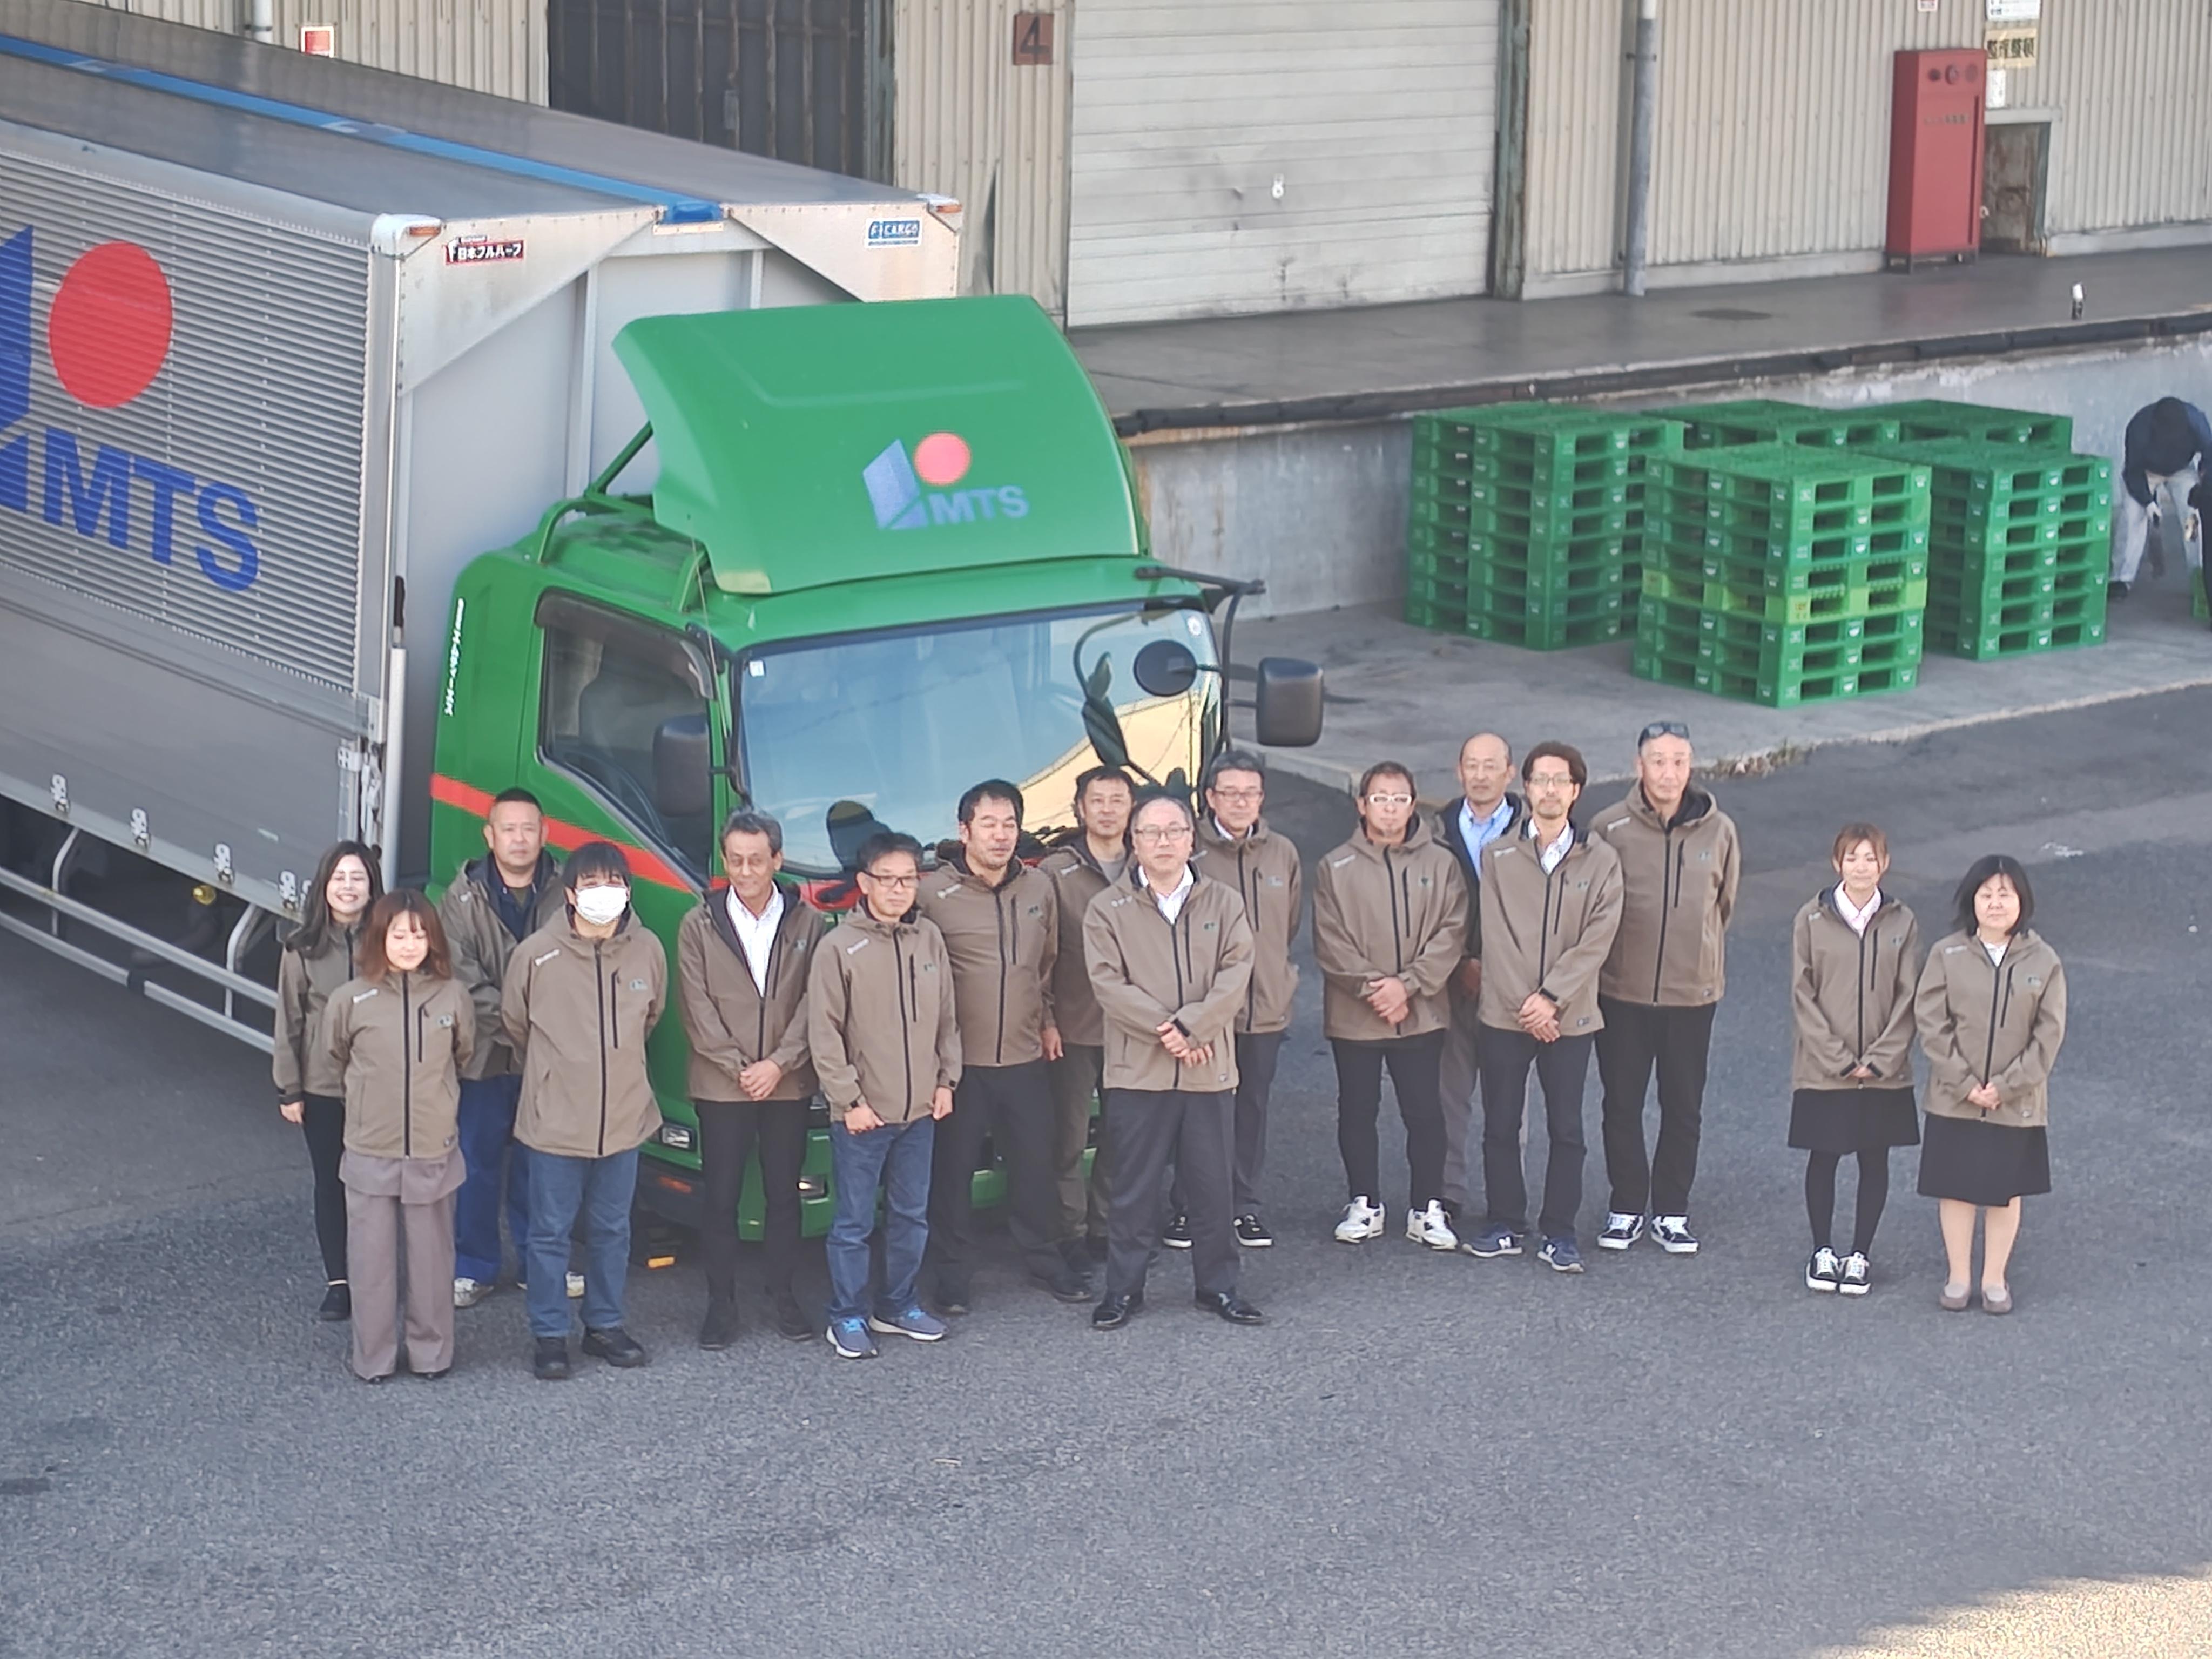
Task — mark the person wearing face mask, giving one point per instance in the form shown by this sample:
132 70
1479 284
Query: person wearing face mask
1390 918
1661 985
581 996
1991 1010
1855 958
401 1032
492 906
317 958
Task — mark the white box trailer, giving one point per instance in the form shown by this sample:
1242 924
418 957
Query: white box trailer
283 343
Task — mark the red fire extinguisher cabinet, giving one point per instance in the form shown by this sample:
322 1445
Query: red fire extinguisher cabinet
1936 158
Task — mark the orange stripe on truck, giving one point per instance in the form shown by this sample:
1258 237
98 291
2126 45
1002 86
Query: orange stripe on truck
645 865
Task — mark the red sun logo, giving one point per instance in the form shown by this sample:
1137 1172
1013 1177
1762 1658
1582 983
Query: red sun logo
942 459
108 332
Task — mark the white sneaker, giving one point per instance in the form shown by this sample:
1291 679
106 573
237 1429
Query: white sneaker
1362 1221
1430 1227
1855 1268
1823 1271
1672 1234
575 1285
467 1293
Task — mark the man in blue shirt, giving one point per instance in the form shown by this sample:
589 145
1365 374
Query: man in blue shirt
2167 442
1486 810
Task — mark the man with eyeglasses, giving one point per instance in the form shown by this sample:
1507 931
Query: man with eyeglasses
1000 921
1551 902
1169 955
1085 863
1662 984
1486 809
1389 916
886 1049
1236 846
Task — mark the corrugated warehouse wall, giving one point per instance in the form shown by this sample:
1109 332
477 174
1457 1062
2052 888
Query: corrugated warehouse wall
487 45
971 123
2131 82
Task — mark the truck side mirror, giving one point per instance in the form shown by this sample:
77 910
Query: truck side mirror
1287 705
1165 668
683 768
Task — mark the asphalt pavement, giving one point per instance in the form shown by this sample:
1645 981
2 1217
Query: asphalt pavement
1417 1454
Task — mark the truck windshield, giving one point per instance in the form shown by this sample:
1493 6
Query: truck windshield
844 736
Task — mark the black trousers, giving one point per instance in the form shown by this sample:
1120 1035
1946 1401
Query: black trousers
728 1132
1414 1063
1150 1126
1012 1106
1257 1053
1562 1069
322 1121
1636 1038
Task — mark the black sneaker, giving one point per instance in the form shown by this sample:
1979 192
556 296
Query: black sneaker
1068 1285
1824 1272
791 1320
550 1364
337 1304
1178 1236
721 1326
1252 1233
953 1301
617 1347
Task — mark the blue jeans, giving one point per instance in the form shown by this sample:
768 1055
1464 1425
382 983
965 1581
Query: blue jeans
494 1161
895 1158
601 1189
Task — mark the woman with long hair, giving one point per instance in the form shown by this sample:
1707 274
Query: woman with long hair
400 1032
1991 1008
319 957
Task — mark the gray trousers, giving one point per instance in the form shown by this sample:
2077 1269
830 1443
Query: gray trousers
2131 523
1257 1053
1150 1126
1460 1078
1075 1080
378 1229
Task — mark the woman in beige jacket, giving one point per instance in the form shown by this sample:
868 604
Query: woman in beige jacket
1991 1008
400 1033
1855 957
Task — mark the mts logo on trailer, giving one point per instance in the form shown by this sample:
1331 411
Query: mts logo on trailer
107 335
895 480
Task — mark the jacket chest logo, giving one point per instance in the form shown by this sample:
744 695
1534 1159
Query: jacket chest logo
635 985
445 1022
928 967
1423 881
1271 881
2034 982
1706 856
1205 927
1034 910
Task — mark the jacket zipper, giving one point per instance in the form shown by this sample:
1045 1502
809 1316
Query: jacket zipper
1549 923
407 1069
1859 1052
1989 1058
1390 878
1659 956
1251 896
599 996
1008 956
910 1017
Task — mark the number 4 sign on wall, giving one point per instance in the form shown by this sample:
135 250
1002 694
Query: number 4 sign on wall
1032 38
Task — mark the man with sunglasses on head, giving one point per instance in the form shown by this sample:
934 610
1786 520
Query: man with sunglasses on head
1389 915
1662 984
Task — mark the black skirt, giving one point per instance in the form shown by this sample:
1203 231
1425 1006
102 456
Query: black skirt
1977 1162
1853 1119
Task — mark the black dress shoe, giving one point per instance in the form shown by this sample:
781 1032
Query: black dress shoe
337 1304
720 1329
435 1376
1068 1285
1115 1311
617 1347
953 1301
1230 1306
791 1320
373 1381
550 1362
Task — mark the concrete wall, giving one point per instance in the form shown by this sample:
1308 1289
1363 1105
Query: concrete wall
1319 512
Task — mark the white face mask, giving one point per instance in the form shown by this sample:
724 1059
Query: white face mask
601 905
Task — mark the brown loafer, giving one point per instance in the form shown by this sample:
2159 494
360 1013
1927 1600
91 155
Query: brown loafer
1954 1301
1997 1301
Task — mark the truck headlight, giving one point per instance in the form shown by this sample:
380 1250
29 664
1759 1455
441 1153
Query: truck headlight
678 1135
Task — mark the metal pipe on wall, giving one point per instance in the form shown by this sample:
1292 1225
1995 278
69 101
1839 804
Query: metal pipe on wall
1643 104
261 21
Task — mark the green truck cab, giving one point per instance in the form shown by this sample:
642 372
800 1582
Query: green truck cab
891 549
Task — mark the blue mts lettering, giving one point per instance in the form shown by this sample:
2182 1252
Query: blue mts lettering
1012 502
952 509
108 491
15 368
167 484
238 580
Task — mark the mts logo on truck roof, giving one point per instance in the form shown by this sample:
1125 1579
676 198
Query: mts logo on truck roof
107 337
895 480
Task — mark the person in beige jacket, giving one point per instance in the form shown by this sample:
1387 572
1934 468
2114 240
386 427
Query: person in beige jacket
1662 985
580 997
1991 1010
1169 953
1389 923
882 1026
1236 844
742 961
401 1032
1550 904
1085 863
1854 958
317 957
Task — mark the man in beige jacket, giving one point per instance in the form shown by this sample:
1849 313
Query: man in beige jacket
1170 958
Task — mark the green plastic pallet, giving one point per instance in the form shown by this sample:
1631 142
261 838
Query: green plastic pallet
1764 420
1936 419
1548 633
1791 489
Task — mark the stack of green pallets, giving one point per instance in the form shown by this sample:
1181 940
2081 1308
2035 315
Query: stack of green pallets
1765 420
1527 521
1932 419
2019 541
1783 574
